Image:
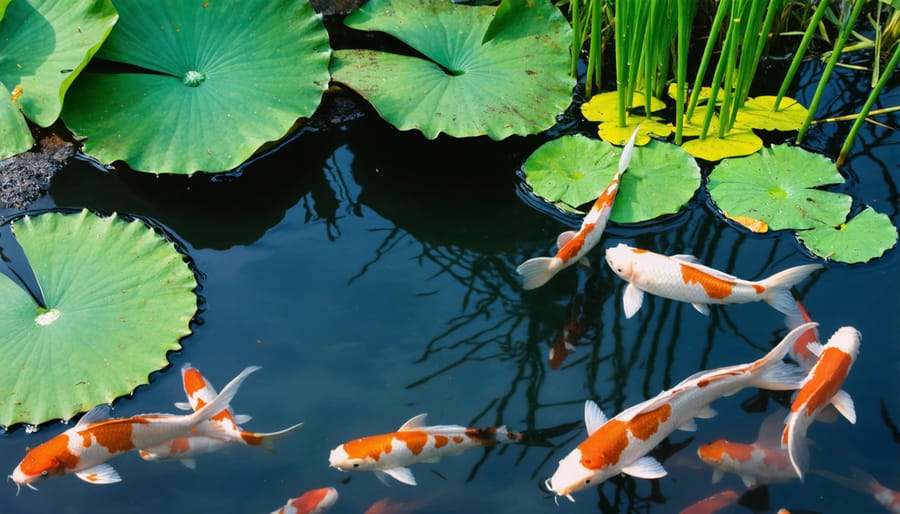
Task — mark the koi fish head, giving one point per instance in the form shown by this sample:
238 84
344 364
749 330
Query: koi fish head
571 476
712 453
621 260
340 459
47 460
317 500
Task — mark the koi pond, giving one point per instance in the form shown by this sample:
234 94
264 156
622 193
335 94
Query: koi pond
371 273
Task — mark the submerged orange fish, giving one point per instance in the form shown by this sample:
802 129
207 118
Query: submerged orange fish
390 454
85 448
574 245
310 502
713 504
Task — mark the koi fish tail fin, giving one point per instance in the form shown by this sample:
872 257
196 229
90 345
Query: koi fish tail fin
849 483
267 440
797 446
538 271
772 374
220 402
778 289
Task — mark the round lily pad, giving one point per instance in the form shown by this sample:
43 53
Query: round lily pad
574 170
760 113
778 186
43 47
488 70
116 297
222 79
736 143
865 237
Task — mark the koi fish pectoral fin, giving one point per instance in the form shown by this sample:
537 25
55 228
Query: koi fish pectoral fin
99 474
718 474
844 404
564 238
702 308
188 462
632 300
828 414
183 406
403 475
688 426
645 467
584 262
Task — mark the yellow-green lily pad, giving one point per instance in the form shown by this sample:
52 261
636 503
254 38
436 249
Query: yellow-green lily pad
864 237
760 113
779 187
736 143
604 107
611 132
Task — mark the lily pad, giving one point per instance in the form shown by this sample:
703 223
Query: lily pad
605 106
480 74
760 113
736 143
574 170
221 80
865 237
611 132
778 186
43 47
116 297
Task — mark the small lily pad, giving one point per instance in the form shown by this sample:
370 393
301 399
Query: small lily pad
217 81
778 186
760 113
43 47
865 237
611 132
481 74
736 143
116 297
574 170
605 106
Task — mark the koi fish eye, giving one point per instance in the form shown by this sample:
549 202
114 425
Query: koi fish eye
45 474
356 464
588 481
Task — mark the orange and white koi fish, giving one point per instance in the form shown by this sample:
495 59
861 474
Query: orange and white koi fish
574 246
801 352
390 454
568 337
713 504
760 462
821 388
311 502
386 506
200 392
680 277
866 483
85 448
621 444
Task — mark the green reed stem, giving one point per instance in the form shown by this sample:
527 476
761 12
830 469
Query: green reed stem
685 20
801 52
729 59
721 11
882 81
577 36
596 39
846 28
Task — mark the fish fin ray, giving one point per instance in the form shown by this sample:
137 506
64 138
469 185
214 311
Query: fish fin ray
538 271
645 467
565 237
188 462
240 419
702 308
183 406
593 417
402 475
844 404
718 474
632 300
414 423
98 413
628 151
688 426
99 474
778 288
686 257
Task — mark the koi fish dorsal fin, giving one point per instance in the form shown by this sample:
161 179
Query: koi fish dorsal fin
686 257
628 151
183 406
98 413
593 417
414 423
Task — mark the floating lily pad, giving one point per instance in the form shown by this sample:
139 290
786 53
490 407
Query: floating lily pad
777 186
480 74
865 237
605 106
43 47
611 132
223 78
116 298
760 113
736 143
574 170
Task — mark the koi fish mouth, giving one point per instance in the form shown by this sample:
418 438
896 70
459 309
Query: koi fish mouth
549 487
20 484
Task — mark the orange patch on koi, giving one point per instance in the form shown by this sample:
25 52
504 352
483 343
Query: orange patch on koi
53 456
833 362
571 249
440 441
415 440
715 287
251 439
644 425
193 382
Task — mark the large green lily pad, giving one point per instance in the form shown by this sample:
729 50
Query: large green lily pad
223 78
573 170
481 74
116 298
778 186
863 238
43 47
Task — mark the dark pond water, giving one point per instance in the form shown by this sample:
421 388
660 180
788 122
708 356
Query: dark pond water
372 276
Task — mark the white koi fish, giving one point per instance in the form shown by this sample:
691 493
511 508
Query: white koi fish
390 454
760 462
680 277
621 444
85 448
801 352
200 392
821 388
574 246
311 502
